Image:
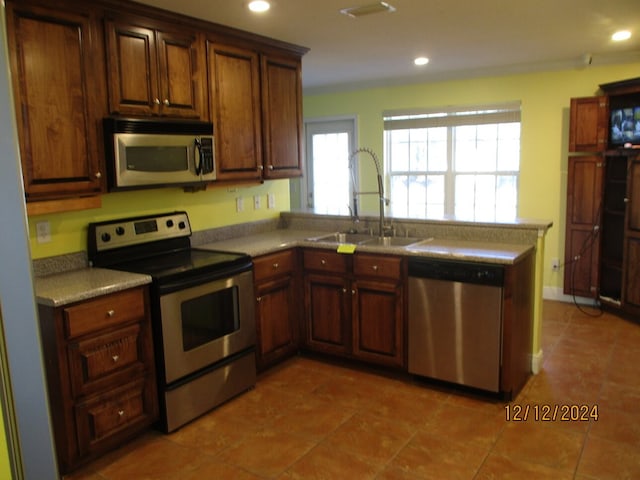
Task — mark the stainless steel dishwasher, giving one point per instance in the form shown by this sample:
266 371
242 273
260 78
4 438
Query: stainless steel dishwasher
455 321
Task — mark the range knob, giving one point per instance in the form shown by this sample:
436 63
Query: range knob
169 223
120 231
105 237
182 225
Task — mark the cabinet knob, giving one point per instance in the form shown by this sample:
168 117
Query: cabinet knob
115 358
270 167
275 266
260 167
98 175
353 292
156 101
121 413
626 200
258 299
166 102
375 268
323 262
111 313
344 290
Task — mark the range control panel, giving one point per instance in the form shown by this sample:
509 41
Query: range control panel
139 230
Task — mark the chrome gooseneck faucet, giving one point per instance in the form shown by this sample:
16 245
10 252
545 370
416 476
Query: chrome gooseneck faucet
380 192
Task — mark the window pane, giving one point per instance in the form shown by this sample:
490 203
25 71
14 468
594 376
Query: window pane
417 196
399 204
509 147
437 149
399 150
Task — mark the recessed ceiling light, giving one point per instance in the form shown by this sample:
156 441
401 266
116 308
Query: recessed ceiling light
259 6
419 61
621 36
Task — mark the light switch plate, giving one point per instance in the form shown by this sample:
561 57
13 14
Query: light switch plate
239 204
43 231
256 202
271 201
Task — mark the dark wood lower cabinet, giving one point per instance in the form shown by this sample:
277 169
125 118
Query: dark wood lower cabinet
100 373
354 306
277 307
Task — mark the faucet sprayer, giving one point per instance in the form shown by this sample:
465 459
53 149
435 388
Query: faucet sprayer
380 191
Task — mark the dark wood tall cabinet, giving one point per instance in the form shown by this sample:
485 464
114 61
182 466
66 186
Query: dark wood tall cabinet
602 242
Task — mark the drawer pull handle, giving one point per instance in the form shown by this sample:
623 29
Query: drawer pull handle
115 358
323 262
120 413
275 266
111 313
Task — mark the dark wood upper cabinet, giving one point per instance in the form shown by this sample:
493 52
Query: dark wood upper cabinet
282 116
234 96
56 57
154 70
588 124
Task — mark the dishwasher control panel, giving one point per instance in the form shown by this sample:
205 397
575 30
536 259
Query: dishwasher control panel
457 271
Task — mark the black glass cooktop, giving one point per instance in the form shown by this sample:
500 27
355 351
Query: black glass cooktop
185 263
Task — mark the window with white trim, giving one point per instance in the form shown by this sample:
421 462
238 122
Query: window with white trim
461 162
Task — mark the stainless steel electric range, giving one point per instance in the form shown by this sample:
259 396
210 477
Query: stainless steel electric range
201 306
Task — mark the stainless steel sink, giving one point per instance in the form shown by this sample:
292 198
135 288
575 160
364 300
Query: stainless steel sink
341 237
391 241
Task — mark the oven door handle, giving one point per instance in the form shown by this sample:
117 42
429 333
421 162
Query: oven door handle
195 280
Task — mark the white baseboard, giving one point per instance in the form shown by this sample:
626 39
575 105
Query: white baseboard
536 362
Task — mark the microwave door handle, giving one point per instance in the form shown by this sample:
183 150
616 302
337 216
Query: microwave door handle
198 156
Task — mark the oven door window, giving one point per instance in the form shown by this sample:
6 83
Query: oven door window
209 317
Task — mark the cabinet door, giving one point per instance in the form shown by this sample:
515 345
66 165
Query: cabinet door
632 237
234 95
282 116
327 300
588 124
132 68
582 240
377 322
58 121
276 320
154 72
181 74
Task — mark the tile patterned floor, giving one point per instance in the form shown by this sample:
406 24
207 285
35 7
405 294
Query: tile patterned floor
308 419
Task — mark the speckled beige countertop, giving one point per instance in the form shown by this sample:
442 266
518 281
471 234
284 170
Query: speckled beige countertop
63 288
468 250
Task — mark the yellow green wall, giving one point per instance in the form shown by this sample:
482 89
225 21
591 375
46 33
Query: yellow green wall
5 467
208 209
545 114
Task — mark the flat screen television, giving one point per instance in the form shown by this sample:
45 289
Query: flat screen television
625 126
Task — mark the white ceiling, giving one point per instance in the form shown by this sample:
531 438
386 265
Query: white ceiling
462 38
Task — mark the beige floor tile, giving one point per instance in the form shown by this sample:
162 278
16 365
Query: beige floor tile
606 460
496 467
325 463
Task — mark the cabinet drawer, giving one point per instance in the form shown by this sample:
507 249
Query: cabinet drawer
377 266
275 264
325 260
97 361
104 312
101 418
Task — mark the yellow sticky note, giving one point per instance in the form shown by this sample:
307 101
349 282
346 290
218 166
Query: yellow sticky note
346 248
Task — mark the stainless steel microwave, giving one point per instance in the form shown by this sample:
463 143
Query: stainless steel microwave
144 153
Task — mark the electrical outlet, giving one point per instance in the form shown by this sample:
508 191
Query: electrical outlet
239 204
43 231
555 264
271 201
256 202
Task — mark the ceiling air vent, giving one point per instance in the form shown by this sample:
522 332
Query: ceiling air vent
377 7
